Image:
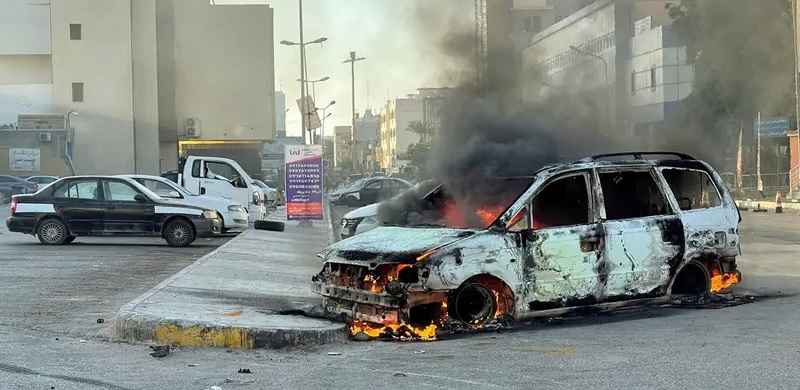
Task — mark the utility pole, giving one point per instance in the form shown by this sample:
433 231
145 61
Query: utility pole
302 74
352 61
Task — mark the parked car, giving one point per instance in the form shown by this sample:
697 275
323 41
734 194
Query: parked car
368 190
270 194
234 215
171 176
10 185
360 220
41 181
607 230
107 206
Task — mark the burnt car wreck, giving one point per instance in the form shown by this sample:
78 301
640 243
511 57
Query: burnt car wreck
608 230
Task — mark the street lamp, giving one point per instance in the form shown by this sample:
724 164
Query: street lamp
314 85
605 79
322 131
352 61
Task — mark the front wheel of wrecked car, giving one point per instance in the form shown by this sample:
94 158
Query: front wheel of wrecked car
472 304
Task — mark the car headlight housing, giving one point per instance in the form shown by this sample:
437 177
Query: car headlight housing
236 209
210 214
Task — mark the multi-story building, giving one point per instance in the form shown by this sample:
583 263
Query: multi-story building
342 146
623 51
143 75
280 114
395 136
365 140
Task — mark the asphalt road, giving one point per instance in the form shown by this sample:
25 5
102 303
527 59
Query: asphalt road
748 346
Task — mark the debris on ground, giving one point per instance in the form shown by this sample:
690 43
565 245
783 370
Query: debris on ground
418 352
245 371
711 301
192 364
399 374
334 353
81 341
100 320
159 351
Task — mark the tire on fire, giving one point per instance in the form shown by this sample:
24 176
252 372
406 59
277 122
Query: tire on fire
480 300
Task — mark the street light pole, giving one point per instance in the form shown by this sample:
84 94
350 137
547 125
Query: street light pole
352 61
305 112
605 80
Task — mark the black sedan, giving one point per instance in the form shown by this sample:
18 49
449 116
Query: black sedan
107 206
368 190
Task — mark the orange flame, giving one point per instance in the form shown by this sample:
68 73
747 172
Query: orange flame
401 330
721 282
488 214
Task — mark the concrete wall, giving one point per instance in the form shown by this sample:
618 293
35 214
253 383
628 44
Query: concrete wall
216 63
102 61
24 27
145 86
51 161
25 69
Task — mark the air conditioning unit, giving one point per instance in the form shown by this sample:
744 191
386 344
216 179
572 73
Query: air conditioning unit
45 137
191 128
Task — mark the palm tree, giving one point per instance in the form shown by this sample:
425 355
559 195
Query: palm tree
423 130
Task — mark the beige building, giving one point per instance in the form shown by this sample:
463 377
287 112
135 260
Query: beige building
143 74
395 137
342 146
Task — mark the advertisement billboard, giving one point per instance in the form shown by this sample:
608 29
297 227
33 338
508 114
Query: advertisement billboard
304 175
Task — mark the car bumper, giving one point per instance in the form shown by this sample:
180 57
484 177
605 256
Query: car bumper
208 227
21 224
235 221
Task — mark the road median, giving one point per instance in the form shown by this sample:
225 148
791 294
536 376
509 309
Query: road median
245 294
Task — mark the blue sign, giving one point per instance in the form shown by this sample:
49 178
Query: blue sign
773 127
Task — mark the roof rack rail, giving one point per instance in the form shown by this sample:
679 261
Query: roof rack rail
638 155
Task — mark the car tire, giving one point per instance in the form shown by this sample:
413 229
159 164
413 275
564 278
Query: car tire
472 304
52 231
179 233
273 226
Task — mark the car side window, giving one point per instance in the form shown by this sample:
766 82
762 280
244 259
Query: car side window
563 202
160 189
631 194
196 168
220 171
82 189
375 185
120 192
693 189
4 179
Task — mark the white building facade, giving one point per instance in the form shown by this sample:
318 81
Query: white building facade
141 74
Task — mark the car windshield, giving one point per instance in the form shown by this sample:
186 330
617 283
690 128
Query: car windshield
467 205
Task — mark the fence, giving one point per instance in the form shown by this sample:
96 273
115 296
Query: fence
772 183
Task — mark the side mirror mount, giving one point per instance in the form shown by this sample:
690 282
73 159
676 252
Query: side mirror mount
140 198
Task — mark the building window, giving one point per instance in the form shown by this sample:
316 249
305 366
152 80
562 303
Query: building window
653 78
77 92
75 32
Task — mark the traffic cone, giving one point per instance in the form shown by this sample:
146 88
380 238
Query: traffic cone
778 203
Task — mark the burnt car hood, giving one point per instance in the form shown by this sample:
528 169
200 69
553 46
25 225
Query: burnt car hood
394 241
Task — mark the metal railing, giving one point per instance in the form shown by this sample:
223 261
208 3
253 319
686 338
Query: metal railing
772 183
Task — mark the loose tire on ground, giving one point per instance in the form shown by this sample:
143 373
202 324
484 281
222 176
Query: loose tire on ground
179 233
273 226
52 231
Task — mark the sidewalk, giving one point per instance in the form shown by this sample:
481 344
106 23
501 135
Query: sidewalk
233 297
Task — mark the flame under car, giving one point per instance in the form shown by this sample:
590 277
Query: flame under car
594 232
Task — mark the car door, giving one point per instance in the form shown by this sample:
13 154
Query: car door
125 215
371 191
564 245
644 237
80 203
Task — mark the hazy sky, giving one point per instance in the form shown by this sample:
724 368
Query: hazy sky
399 38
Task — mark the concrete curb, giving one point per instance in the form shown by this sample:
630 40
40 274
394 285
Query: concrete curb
132 326
789 207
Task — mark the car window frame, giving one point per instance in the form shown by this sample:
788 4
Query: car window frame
657 179
101 194
108 198
592 217
676 205
380 185
166 182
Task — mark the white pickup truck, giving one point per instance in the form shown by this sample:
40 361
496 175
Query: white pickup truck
224 178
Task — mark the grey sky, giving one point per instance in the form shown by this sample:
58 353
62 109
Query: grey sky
399 38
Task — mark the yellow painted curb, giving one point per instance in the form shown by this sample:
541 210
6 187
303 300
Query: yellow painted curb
198 336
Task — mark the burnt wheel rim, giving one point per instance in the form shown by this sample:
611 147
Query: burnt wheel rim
52 232
474 304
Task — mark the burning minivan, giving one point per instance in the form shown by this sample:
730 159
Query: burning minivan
606 231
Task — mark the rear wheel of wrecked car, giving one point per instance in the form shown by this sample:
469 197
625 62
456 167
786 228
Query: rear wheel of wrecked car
472 304
693 279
